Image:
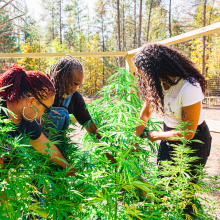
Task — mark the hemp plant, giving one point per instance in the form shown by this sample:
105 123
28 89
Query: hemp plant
131 187
118 186
32 186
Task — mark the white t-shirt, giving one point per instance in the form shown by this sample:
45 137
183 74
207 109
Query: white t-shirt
180 95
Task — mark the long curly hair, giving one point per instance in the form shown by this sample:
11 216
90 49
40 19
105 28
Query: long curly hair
60 70
156 62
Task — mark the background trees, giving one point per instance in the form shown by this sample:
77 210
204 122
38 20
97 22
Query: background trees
12 26
112 25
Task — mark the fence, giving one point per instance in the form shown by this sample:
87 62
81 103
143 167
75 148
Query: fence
213 88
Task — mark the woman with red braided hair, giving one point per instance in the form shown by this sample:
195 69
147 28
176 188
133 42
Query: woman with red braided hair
29 95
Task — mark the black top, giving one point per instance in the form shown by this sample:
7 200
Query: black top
77 107
25 127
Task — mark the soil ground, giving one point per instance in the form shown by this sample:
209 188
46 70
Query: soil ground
213 163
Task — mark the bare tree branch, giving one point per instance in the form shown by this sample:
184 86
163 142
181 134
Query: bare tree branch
2 26
6 25
6 5
24 20
11 20
16 7
8 32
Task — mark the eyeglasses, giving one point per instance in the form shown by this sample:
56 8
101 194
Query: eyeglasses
48 109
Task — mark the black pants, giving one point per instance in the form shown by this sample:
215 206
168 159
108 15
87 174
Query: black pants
202 150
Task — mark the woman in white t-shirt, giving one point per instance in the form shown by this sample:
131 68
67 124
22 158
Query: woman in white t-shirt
169 82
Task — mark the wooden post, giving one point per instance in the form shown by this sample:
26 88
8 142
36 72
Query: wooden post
74 54
129 64
130 67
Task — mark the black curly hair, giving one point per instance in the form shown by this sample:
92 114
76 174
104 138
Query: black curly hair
60 70
156 62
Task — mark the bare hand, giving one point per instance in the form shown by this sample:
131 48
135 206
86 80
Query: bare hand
71 172
155 136
110 158
2 162
152 135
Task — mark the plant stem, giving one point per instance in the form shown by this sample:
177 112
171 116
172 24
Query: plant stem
116 195
116 206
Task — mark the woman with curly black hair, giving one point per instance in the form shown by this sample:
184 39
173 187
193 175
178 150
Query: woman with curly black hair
170 83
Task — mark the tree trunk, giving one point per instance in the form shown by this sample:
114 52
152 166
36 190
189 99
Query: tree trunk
4 52
61 22
53 32
211 12
203 54
170 33
134 23
123 27
119 38
95 84
149 16
103 50
140 21
103 71
80 39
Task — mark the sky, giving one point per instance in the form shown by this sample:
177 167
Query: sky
35 8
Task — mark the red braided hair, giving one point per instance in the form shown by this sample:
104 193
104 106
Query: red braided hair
21 83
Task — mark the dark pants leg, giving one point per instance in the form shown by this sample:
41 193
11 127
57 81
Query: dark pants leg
202 150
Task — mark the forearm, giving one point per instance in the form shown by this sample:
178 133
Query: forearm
155 136
42 144
139 130
167 135
58 158
92 129
53 152
144 116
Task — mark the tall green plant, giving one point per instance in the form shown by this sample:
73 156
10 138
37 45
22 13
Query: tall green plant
130 188
116 185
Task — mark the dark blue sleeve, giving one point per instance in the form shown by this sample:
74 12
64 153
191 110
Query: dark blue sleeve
77 107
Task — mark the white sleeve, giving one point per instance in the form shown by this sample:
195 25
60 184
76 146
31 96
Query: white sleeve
191 94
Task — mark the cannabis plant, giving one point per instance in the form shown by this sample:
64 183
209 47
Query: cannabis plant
132 186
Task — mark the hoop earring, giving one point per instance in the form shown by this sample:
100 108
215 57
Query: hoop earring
30 119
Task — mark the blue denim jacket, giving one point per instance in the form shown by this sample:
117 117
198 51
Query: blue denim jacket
60 115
